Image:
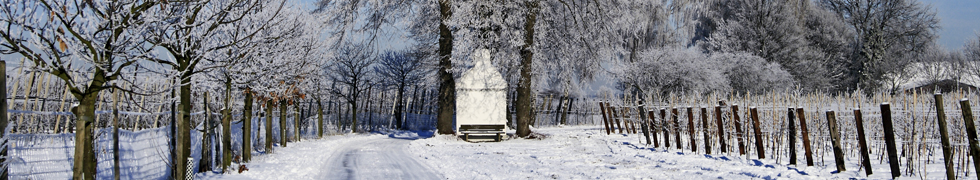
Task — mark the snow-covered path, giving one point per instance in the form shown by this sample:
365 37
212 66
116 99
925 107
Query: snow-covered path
376 158
351 156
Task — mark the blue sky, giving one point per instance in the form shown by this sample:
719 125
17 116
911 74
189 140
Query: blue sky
960 20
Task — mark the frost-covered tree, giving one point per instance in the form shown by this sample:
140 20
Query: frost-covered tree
971 57
86 44
193 33
887 32
400 69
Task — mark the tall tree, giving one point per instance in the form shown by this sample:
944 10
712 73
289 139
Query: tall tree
400 69
887 31
86 44
351 68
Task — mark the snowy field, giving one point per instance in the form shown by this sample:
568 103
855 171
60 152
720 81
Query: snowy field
582 152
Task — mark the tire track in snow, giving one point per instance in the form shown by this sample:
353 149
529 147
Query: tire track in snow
382 158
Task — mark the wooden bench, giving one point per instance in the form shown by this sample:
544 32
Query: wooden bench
482 129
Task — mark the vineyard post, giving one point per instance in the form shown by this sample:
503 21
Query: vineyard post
790 117
653 126
758 133
3 119
835 141
738 129
664 125
971 132
944 135
865 160
886 120
805 133
704 127
690 129
677 132
605 120
721 130
616 117
643 122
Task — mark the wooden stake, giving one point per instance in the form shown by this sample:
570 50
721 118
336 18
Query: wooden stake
835 141
605 118
738 130
653 126
643 122
704 127
664 125
971 132
944 136
886 120
805 133
758 133
721 130
790 117
865 160
690 129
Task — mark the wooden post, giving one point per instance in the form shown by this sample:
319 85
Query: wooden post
704 127
758 132
643 121
792 136
721 130
805 133
605 118
677 133
862 141
738 130
944 137
664 125
616 117
3 120
115 133
886 120
971 132
690 128
653 126
835 141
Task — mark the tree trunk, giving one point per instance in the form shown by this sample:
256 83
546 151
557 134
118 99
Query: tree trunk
524 83
226 129
297 120
115 135
85 162
399 106
319 118
206 138
183 147
3 119
353 112
268 126
247 127
283 136
447 86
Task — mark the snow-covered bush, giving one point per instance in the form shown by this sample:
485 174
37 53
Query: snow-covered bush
747 73
673 70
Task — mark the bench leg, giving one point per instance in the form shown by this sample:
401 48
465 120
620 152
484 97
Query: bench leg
466 137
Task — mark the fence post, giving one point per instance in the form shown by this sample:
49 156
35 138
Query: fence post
605 120
643 121
664 125
790 117
805 133
758 133
707 134
944 136
886 120
721 130
835 141
738 129
3 120
653 126
865 160
971 132
677 132
690 129
616 117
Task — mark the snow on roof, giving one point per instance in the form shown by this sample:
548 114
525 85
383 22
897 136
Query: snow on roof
923 73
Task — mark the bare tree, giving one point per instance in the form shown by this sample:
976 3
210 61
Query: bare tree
351 68
400 69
